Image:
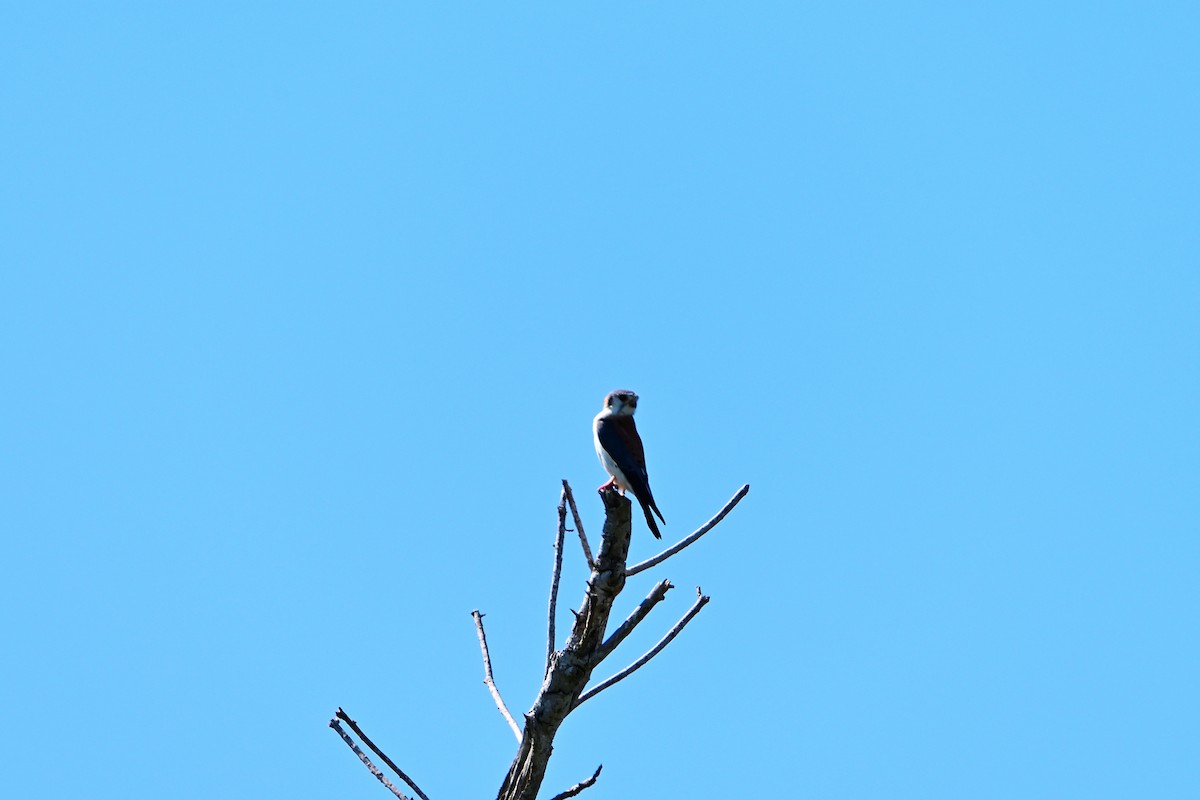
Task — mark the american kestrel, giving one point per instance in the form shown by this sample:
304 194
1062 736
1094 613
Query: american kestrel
621 453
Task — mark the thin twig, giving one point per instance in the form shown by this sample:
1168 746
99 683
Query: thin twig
579 787
587 551
703 529
558 547
378 773
701 601
654 598
487 675
344 717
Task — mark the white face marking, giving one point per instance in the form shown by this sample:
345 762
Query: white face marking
621 404
624 405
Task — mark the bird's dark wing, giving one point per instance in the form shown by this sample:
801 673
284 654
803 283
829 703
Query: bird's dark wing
619 437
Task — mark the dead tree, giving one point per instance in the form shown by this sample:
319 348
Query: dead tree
569 670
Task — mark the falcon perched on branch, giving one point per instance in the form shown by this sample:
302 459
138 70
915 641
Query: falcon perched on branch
621 453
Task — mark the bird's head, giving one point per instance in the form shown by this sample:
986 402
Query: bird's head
621 402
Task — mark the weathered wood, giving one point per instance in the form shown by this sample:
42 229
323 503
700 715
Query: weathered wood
568 670
571 667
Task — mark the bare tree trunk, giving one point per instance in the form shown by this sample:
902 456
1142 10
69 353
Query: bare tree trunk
568 670
571 667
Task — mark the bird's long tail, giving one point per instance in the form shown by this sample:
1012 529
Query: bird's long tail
650 520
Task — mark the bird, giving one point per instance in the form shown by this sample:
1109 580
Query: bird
621 453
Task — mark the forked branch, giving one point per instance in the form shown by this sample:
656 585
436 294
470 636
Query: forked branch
654 598
701 601
344 717
376 771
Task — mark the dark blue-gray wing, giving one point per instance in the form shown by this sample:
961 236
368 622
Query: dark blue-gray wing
619 438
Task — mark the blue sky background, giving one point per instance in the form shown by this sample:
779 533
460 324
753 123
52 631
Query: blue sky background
306 311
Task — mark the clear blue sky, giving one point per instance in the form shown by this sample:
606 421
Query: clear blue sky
305 312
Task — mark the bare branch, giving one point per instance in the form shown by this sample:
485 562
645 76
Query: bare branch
558 545
654 598
703 529
579 787
378 773
587 551
344 717
701 601
487 675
